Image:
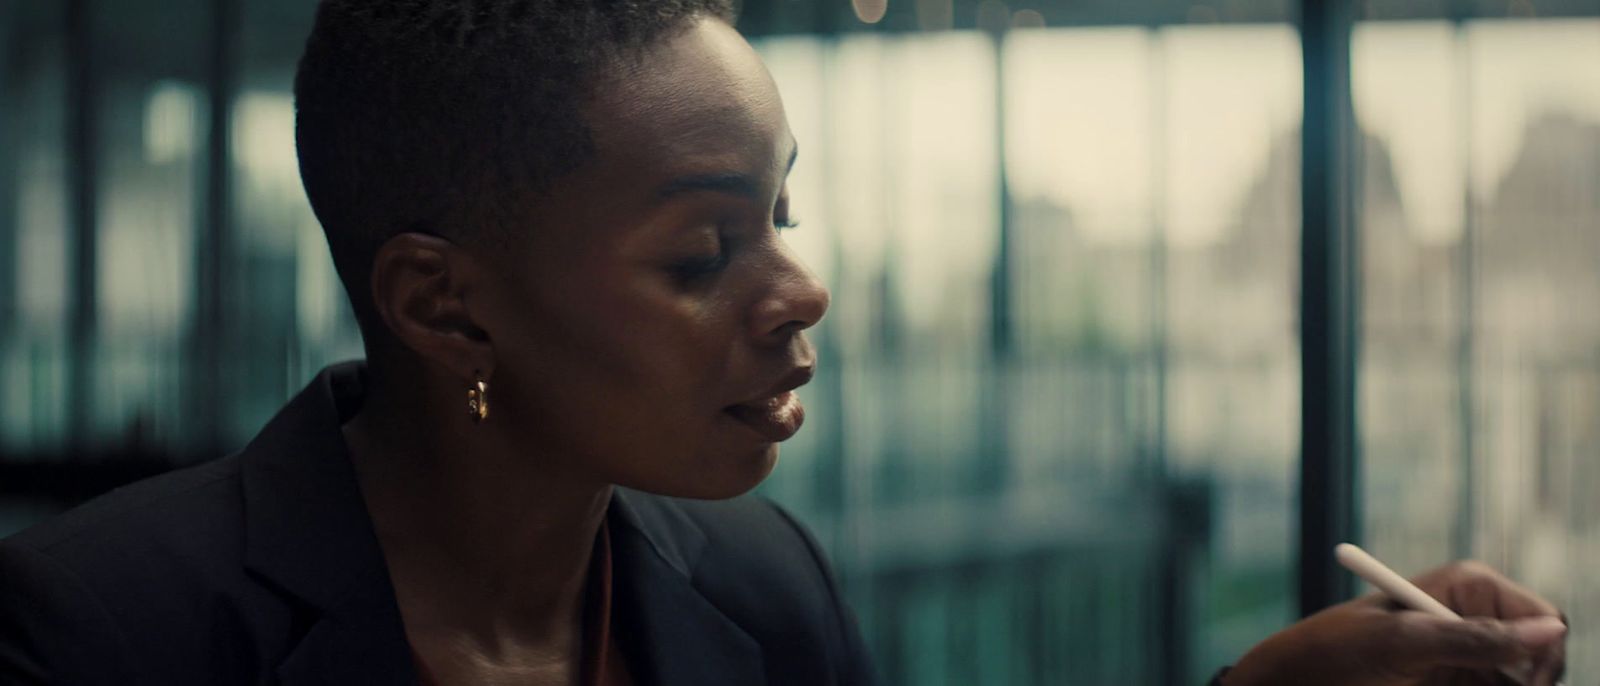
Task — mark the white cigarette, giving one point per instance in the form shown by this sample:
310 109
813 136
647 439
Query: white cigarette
1393 585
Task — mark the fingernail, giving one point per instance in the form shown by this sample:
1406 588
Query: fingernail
1520 672
1537 633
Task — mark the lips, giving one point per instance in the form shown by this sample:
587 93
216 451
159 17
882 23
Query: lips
776 418
776 414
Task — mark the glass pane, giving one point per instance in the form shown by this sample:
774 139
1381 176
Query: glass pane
1481 371
150 133
1536 361
1230 164
1408 95
34 231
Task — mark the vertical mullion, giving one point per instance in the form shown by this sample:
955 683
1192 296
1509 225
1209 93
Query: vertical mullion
10 149
994 465
82 182
1466 341
212 249
1002 331
1329 298
1174 610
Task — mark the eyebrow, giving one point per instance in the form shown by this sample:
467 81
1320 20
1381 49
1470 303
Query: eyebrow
732 183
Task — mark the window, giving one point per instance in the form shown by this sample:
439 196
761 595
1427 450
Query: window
1056 433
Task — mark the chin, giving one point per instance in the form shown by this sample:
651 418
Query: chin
716 478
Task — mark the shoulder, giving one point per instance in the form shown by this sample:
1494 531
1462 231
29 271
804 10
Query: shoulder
136 576
176 519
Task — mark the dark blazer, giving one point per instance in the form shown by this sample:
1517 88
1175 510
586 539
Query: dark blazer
263 568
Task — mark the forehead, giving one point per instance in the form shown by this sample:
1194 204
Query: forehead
698 101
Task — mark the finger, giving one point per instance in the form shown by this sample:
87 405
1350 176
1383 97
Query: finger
1476 589
1544 675
1551 665
1423 640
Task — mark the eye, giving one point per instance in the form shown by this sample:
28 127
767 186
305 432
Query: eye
695 267
785 223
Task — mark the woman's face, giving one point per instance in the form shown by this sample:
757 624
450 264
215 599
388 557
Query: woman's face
648 327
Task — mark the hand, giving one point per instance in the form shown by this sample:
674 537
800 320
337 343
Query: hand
1371 641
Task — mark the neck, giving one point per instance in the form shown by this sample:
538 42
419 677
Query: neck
481 541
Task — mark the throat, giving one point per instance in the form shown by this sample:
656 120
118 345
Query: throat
445 659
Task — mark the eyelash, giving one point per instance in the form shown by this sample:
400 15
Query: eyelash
695 268
692 269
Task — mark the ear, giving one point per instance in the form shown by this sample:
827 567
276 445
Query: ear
421 287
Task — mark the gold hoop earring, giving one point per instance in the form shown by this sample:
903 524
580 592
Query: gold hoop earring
478 400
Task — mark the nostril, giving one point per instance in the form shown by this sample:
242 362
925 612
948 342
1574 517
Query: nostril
797 301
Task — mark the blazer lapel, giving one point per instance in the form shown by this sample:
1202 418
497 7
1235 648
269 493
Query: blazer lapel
307 533
359 643
672 634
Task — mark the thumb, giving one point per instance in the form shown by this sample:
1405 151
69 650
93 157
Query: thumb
1476 642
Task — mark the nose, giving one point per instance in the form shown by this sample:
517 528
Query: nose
796 301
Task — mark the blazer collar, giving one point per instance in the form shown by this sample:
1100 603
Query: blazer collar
671 633
308 534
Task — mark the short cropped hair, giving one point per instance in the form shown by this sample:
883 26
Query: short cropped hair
443 115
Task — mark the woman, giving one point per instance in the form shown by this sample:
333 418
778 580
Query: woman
557 225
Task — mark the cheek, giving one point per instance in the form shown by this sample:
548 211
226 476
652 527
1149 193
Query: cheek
612 372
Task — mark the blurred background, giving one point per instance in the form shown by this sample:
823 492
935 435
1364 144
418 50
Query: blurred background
1094 373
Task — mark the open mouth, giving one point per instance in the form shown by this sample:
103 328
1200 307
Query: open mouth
775 418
